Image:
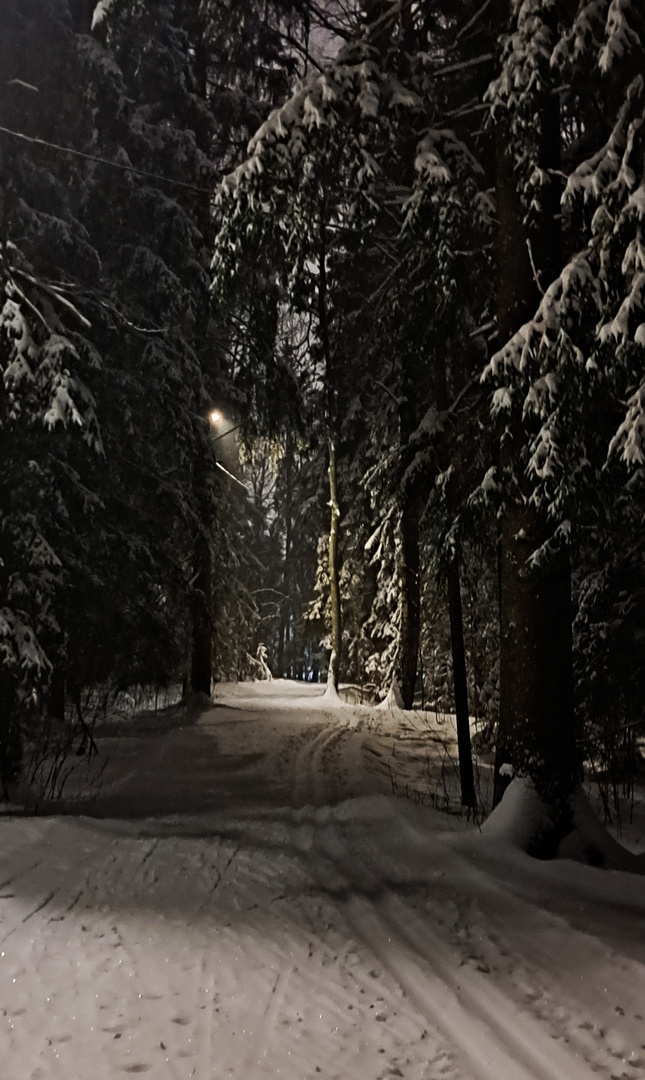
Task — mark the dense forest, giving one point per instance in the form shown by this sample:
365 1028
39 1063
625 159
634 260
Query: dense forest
322 338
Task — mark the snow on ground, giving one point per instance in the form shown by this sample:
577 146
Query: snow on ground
246 896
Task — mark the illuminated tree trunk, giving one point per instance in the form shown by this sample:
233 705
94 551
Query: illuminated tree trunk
410 585
331 410
334 571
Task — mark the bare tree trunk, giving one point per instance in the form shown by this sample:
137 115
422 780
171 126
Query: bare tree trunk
202 627
333 563
201 660
457 645
334 572
283 660
466 776
410 585
10 734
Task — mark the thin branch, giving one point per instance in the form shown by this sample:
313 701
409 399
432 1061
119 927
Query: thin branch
533 266
483 59
53 291
384 284
302 49
387 390
103 161
475 18
24 85
324 21
452 409
468 110
131 325
230 474
483 329
33 307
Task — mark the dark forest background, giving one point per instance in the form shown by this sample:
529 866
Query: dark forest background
399 247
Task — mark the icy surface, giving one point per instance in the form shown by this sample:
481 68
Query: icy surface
284 915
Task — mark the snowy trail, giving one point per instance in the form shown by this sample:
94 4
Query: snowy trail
368 940
519 1023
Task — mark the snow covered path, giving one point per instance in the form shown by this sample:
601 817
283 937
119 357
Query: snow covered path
236 935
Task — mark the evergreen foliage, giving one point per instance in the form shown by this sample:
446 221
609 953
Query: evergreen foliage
114 534
401 247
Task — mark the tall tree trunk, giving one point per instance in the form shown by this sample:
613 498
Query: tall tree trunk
409 559
410 585
536 727
457 645
466 775
11 747
285 603
536 731
331 409
10 744
334 571
201 656
202 627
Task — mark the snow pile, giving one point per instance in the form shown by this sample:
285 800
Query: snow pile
591 843
519 817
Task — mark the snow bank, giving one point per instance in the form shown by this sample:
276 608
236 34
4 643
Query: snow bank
591 843
519 817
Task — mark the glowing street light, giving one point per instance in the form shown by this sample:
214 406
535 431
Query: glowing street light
215 418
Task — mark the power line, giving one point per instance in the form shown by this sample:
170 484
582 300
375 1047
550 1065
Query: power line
102 161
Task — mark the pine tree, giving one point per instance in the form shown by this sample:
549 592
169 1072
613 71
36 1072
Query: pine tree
114 546
44 349
549 373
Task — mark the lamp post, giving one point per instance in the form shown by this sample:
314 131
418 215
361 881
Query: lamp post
215 418
200 675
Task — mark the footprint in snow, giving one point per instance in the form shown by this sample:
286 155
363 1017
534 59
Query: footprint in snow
136 1068
180 1020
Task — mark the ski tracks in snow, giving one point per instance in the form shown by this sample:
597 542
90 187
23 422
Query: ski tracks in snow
517 1026
346 943
312 778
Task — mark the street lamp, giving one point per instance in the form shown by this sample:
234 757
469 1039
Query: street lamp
215 418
